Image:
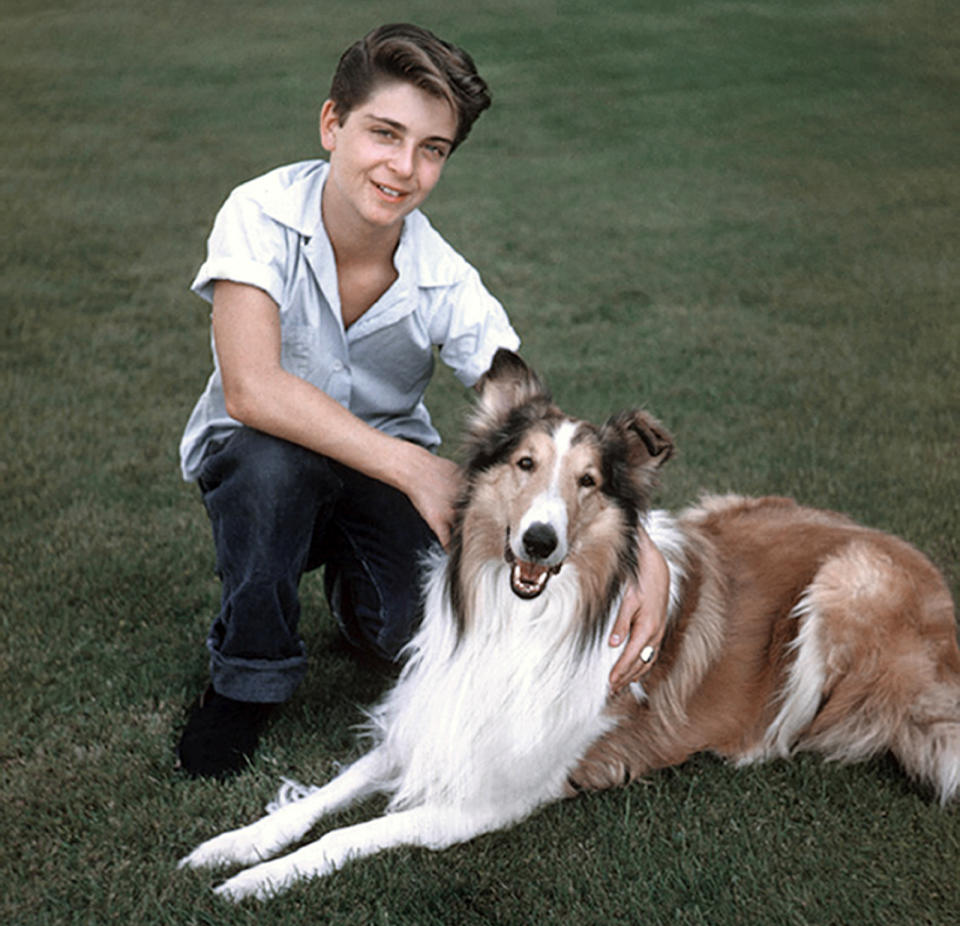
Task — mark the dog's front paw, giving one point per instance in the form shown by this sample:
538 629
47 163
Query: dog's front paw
233 848
261 882
597 772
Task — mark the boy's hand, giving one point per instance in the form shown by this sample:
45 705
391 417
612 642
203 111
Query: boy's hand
434 492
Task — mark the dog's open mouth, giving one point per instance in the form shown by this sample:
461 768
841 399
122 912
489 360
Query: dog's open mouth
528 580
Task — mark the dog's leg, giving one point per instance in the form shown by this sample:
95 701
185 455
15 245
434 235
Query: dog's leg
431 827
271 833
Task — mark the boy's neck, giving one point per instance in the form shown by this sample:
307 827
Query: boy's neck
355 242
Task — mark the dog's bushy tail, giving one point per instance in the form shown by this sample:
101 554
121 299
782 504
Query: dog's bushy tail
928 747
924 736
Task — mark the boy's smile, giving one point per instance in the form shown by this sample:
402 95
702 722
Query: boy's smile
386 157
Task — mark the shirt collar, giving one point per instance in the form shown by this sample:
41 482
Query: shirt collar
421 256
298 205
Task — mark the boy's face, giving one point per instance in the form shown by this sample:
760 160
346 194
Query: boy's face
387 156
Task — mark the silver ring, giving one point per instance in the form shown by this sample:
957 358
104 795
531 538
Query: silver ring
647 653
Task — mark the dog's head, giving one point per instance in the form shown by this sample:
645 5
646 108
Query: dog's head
544 489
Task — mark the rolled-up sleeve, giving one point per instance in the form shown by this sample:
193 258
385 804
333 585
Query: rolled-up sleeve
245 246
469 326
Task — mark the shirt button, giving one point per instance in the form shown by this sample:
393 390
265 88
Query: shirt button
337 366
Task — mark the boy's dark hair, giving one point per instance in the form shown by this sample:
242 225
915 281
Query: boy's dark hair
402 51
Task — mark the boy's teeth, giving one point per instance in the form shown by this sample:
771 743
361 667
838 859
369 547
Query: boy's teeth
388 191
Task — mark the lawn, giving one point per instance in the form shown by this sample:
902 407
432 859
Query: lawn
740 215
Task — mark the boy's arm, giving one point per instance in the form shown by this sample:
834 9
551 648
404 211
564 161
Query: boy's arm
261 394
642 617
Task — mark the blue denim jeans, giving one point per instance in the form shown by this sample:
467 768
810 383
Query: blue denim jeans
278 510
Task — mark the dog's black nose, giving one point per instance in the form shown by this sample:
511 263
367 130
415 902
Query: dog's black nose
539 540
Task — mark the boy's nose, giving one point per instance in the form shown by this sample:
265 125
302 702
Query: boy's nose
403 161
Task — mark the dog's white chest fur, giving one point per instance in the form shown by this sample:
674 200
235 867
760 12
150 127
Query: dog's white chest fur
499 717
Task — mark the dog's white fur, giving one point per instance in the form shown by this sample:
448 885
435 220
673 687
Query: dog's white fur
466 743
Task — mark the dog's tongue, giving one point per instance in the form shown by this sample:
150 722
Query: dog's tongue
528 579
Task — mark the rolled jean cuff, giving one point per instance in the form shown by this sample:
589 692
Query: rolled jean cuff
265 681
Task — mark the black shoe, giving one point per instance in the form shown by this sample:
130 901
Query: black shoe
221 735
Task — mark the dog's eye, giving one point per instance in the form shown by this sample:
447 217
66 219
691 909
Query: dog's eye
587 481
525 463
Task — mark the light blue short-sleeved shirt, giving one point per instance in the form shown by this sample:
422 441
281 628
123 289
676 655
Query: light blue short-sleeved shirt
269 234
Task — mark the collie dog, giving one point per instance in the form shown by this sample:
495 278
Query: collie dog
788 629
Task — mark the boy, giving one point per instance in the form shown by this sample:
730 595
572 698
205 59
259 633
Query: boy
311 443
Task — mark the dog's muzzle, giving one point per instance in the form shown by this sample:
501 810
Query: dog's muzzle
528 577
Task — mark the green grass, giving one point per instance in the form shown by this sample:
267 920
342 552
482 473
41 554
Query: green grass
741 215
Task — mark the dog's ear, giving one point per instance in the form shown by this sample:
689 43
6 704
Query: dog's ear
635 445
508 383
649 443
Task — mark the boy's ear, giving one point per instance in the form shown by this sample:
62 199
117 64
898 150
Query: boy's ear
329 123
508 383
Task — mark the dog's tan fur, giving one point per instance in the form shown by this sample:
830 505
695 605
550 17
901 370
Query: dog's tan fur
885 630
